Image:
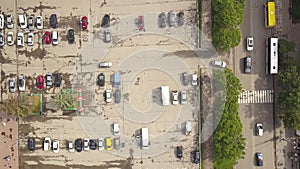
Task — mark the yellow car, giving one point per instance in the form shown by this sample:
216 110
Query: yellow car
108 142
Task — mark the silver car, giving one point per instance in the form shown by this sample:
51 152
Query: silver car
248 64
172 17
10 38
117 143
49 79
31 23
9 21
107 36
30 39
1 39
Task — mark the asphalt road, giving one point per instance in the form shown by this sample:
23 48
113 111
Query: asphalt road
251 114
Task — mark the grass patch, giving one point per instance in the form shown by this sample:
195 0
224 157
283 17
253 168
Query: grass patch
295 11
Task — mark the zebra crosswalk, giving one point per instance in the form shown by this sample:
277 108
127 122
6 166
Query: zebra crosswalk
256 96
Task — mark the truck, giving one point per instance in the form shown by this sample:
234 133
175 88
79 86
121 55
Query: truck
145 138
165 95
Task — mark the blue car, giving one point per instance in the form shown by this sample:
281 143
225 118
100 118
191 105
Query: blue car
53 21
259 159
31 144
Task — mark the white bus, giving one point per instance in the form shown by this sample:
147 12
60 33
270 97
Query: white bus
272 56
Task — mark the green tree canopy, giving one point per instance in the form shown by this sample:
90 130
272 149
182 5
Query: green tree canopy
18 106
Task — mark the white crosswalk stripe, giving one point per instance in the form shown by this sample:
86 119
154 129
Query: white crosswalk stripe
256 96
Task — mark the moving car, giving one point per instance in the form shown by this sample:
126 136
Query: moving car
108 97
30 39
183 97
218 63
53 21
78 145
108 143
40 82
248 64
194 80
1 21
101 144
23 21
105 21
54 38
57 80
175 97
39 22
55 146
101 79
86 146
162 20
140 23
31 23
172 17
93 144
180 18
71 148
84 23
196 156
20 39
250 43
21 83
107 36
179 153
1 39
49 79
31 144
70 36
105 64
259 129
12 85
47 37
116 129
10 38
9 21
47 144
259 159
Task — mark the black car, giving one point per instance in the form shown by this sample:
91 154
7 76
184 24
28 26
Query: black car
101 79
78 145
180 18
53 21
259 159
247 65
70 36
93 144
162 20
31 144
179 152
105 21
196 157
57 80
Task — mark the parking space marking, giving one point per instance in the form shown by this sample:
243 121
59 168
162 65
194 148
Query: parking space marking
256 96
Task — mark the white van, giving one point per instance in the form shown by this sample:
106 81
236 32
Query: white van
145 138
23 21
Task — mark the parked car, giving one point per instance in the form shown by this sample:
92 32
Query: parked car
10 38
162 20
101 79
218 63
31 144
39 22
53 21
47 37
55 146
30 39
49 79
31 23
196 156
21 83
185 78
20 39
1 21
93 144
183 97
108 143
250 43
108 97
194 80
259 159
172 17
117 96
12 85
117 143
40 82
140 23
84 23
54 38
101 144
248 64
105 64
107 36
86 145
259 129
57 80
116 129
9 21
175 97
70 36
180 18
47 144
105 21
71 148
78 145
179 153
23 21
1 39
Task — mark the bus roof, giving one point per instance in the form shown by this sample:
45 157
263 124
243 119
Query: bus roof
271 14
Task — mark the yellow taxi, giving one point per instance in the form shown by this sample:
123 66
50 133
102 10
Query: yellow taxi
108 143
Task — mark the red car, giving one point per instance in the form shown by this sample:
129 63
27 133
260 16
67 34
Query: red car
140 23
40 82
84 23
47 37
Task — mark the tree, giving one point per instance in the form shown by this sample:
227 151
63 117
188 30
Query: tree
18 106
64 100
226 38
286 46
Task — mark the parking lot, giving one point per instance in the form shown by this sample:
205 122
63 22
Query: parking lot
146 61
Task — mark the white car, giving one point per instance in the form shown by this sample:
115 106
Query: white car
54 38
49 79
55 146
30 39
101 144
175 97
9 21
23 21
12 85
116 128
105 64
1 39
10 38
86 145
218 63
250 43
21 83
108 97
71 146
259 129
1 21
47 144
183 97
39 22
194 80
20 39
